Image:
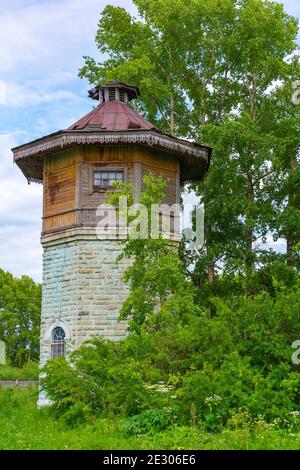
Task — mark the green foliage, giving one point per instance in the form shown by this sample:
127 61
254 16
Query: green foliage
94 382
147 422
178 365
195 373
30 371
222 78
163 286
20 307
236 385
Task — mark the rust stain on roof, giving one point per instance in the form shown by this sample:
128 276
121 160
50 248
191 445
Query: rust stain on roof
112 116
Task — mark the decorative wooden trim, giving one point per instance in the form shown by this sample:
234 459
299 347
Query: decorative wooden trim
150 138
87 208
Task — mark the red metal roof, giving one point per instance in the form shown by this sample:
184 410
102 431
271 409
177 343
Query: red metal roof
112 116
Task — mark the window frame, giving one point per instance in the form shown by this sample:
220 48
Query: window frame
109 173
106 169
58 346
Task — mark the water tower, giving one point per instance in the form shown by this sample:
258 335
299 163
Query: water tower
82 285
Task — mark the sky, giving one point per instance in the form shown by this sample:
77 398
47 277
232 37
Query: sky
42 44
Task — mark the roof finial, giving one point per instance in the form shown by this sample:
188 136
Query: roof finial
114 91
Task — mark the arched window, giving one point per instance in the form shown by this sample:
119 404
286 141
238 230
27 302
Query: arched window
58 342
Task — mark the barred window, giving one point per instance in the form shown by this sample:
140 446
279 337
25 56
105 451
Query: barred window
106 179
58 343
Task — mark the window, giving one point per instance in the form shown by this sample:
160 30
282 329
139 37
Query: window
106 179
58 342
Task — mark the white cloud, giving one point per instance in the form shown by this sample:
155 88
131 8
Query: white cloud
20 215
24 95
7 141
53 35
20 251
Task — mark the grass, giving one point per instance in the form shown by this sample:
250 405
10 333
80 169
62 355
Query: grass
29 371
23 426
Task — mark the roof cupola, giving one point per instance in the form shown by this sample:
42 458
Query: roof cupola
114 91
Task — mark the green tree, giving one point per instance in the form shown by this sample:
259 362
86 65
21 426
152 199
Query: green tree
20 306
238 192
286 127
162 292
213 79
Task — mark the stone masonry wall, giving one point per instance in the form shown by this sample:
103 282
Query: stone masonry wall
83 291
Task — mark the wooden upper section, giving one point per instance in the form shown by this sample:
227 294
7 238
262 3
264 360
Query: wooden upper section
111 139
70 200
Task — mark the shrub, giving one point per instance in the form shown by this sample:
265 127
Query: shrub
215 393
263 328
147 422
95 382
199 369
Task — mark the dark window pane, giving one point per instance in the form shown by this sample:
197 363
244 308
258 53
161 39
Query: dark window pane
107 178
58 334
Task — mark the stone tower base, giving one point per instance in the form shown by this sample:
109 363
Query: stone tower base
83 289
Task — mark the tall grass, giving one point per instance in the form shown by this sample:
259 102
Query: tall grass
29 371
23 426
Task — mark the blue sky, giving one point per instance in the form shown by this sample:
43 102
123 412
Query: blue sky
42 45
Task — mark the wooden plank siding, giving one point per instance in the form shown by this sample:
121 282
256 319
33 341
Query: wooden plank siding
59 190
69 199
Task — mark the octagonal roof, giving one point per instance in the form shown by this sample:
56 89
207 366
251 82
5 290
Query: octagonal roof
112 122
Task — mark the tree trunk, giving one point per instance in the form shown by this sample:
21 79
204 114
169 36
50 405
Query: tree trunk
210 263
211 272
291 236
249 259
172 119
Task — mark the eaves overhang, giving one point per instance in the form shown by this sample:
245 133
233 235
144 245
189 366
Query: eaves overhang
29 157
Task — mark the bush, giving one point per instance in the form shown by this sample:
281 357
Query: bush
194 370
264 328
147 422
95 382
